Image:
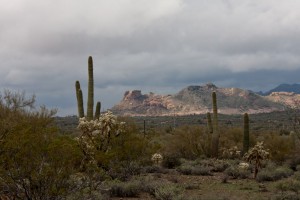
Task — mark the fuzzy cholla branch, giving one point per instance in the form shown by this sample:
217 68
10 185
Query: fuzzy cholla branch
96 134
256 155
157 158
231 153
257 152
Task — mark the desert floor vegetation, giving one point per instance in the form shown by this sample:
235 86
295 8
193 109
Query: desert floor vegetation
40 161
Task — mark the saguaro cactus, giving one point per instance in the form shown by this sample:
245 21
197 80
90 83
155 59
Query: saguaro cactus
215 135
90 99
246 134
98 109
79 100
209 123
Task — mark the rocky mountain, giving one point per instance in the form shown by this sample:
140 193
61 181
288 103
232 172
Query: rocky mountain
197 100
285 88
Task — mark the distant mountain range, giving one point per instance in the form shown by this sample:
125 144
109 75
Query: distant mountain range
283 88
197 100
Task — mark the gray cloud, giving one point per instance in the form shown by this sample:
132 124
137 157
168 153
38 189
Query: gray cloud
159 46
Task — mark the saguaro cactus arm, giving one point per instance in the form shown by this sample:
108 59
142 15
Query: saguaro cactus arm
98 110
79 100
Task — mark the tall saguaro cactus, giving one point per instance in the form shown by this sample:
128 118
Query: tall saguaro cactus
90 98
215 135
209 122
246 134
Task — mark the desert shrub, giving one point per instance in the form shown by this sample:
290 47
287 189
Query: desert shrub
95 194
237 172
128 147
296 176
150 184
273 174
168 192
185 169
194 170
36 160
231 153
124 170
288 185
152 169
171 161
280 146
188 142
293 161
215 165
287 196
126 189
231 137
197 167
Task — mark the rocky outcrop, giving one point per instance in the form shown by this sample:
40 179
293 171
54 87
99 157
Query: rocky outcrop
197 100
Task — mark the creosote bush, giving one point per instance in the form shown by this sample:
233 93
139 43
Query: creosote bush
188 142
274 173
36 161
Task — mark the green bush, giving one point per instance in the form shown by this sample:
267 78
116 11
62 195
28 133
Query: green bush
32 151
216 165
126 189
288 185
280 146
124 170
287 196
171 161
188 142
235 172
168 192
194 170
274 174
296 176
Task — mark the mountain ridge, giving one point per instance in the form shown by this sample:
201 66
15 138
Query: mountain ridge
283 88
196 99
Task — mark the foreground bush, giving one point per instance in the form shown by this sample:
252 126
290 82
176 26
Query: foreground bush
274 174
36 161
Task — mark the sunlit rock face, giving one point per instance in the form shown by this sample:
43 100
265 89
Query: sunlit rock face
196 99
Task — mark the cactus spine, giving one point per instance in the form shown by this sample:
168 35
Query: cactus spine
90 100
215 135
209 123
246 133
98 109
79 100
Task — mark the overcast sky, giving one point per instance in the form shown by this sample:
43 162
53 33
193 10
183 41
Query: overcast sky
152 45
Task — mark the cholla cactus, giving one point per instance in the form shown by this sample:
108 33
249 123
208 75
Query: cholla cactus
157 158
231 153
243 166
96 134
256 155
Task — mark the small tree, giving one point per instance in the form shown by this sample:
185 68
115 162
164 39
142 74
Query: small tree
256 155
36 161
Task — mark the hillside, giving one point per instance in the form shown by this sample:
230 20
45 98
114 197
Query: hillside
295 88
197 100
